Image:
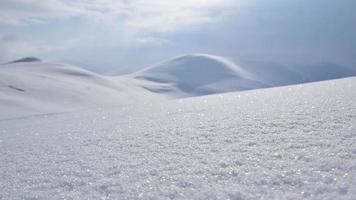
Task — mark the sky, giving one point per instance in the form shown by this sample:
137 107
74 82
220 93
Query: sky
122 36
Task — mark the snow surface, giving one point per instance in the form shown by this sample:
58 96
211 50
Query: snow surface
295 142
29 86
34 87
202 74
67 133
195 75
279 75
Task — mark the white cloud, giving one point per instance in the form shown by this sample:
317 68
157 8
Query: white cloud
107 24
155 15
151 41
161 15
14 47
24 12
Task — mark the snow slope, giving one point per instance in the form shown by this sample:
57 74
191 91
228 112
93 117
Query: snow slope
29 86
202 74
280 75
195 75
295 142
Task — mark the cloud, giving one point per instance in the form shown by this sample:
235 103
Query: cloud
14 47
158 15
151 15
25 12
151 41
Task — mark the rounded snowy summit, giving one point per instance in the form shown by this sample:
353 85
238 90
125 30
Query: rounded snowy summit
197 74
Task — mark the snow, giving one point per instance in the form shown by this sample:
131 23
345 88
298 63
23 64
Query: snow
201 74
293 142
195 75
27 59
67 133
28 88
279 75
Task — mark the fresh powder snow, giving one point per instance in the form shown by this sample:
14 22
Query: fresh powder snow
67 133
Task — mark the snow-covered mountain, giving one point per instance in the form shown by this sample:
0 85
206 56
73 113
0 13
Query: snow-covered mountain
29 86
25 60
278 75
195 75
202 74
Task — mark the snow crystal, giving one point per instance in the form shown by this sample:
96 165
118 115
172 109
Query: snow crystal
265 144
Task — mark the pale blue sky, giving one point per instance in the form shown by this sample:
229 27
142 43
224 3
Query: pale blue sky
125 35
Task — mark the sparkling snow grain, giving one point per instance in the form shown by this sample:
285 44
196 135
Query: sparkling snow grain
296 142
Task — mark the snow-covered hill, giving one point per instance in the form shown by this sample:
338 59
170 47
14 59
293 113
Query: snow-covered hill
202 74
294 142
195 75
29 86
278 75
26 60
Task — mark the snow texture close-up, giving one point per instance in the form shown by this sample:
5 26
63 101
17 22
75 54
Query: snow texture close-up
291 142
